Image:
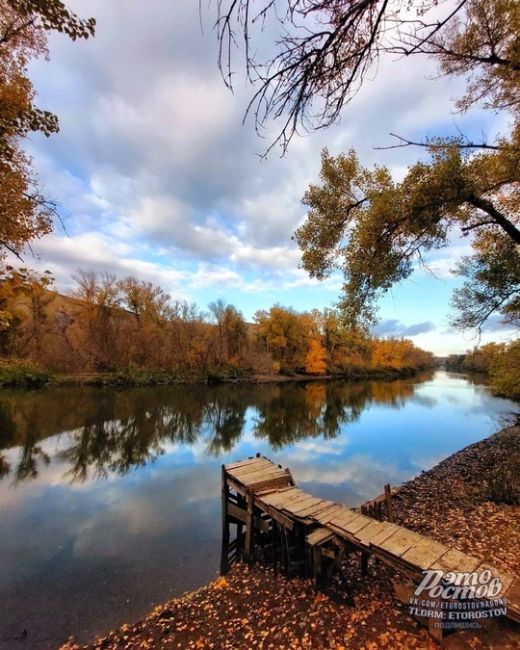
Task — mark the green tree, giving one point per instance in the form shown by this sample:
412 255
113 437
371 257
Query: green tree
492 283
375 230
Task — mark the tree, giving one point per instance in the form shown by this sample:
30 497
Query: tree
360 220
505 371
231 331
285 335
492 284
326 48
23 297
315 363
98 297
26 213
375 230
149 306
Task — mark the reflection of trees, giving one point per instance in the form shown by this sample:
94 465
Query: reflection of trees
296 412
115 431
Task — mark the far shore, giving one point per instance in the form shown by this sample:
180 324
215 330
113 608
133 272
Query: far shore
144 378
254 607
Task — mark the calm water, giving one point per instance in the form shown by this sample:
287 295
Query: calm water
109 500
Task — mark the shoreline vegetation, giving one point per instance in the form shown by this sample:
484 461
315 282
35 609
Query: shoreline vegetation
129 332
456 502
19 374
499 362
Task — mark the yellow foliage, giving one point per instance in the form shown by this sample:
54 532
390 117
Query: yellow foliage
315 360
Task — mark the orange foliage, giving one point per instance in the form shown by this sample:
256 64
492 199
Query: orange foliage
315 360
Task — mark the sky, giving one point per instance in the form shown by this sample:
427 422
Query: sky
158 177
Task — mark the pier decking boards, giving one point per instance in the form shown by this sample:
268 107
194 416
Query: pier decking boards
262 497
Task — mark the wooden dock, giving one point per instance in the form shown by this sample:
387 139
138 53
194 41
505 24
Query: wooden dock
280 522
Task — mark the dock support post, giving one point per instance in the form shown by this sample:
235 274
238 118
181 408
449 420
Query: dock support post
364 563
316 551
249 528
224 564
388 499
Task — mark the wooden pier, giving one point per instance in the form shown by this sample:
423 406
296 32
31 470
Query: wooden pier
279 522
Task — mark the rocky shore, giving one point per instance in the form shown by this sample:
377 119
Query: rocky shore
460 501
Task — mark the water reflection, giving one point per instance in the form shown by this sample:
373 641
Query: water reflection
110 500
110 431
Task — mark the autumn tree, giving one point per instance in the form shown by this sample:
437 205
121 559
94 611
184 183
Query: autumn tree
361 221
231 331
26 213
492 282
149 306
315 363
505 371
98 297
376 230
285 335
24 295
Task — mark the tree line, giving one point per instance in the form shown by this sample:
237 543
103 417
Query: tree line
500 361
107 325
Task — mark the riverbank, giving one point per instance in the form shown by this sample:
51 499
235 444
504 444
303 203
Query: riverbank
253 607
37 379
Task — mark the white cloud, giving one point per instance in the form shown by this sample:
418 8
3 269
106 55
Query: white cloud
159 176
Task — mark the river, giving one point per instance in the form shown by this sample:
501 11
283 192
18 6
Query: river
110 499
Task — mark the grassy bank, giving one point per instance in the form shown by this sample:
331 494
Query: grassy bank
19 373
455 503
26 375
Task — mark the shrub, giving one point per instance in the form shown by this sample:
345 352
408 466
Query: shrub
505 371
21 373
504 482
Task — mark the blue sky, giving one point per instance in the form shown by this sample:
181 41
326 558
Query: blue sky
157 177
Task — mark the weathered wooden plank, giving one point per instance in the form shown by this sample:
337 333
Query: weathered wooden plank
454 560
311 501
236 512
312 511
319 536
369 532
312 506
386 533
246 475
275 498
236 485
243 463
328 514
355 525
242 472
282 480
345 517
424 553
402 540
262 475
293 499
240 514
301 504
258 463
284 521
271 491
